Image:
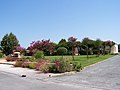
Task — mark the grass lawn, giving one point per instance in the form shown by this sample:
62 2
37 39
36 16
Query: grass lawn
82 59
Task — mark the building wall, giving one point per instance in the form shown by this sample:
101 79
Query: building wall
114 49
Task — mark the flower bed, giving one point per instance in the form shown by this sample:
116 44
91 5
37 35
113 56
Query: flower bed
25 64
46 66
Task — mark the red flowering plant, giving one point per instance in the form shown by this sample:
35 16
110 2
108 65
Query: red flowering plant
110 44
72 39
57 63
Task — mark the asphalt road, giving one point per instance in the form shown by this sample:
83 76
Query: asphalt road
104 75
13 82
101 76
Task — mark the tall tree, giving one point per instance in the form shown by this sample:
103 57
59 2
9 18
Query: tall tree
72 41
87 43
9 41
62 43
104 47
98 45
62 51
110 44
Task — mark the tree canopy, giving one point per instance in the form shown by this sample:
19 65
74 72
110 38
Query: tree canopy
9 41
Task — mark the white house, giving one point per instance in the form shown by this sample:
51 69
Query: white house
114 49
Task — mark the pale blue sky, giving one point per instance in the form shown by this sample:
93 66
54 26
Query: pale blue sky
35 20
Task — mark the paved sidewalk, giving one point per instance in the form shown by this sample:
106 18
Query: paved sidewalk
3 61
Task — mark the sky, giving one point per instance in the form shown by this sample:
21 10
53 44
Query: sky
32 20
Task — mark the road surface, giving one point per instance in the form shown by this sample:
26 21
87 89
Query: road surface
101 76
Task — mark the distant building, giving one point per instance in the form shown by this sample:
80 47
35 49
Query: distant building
118 47
114 49
76 51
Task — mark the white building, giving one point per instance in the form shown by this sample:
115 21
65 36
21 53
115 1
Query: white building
114 49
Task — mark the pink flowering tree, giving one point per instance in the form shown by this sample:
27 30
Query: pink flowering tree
72 41
110 44
45 45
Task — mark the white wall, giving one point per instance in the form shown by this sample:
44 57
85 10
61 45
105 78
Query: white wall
114 49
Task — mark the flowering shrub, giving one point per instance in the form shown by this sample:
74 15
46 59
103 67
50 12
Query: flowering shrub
44 45
61 67
64 66
109 43
72 39
18 64
20 49
43 66
25 64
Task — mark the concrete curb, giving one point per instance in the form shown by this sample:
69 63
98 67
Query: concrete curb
62 74
7 63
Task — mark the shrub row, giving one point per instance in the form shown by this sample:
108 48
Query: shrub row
25 64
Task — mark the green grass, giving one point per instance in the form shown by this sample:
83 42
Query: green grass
83 59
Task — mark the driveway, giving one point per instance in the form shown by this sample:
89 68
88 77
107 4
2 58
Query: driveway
104 75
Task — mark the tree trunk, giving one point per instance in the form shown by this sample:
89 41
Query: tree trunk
87 53
110 50
104 51
62 56
72 53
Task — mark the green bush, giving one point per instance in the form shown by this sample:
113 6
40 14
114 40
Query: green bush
52 68
77 66
1 55
62 50
39 55
31 59
32 65
65 66
61 66
106 51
